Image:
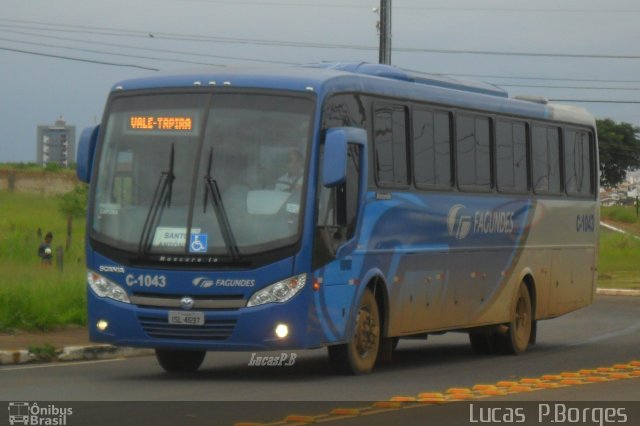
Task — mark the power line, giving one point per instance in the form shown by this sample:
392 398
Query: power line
595 101
150 49
314 45
453 9
103 52
567 87
69 58
511 77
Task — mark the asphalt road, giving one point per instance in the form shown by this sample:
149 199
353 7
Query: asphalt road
601 335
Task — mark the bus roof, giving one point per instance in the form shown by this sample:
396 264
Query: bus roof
327 78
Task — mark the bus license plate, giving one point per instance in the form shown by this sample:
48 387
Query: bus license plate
186 318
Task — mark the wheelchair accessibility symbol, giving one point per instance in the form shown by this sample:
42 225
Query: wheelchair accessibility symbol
198 243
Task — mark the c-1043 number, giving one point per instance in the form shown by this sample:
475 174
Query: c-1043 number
146 280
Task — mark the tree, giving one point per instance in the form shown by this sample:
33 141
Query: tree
619 150
73 204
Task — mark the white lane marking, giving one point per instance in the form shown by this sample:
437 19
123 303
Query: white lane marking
66 364
618 230
606 336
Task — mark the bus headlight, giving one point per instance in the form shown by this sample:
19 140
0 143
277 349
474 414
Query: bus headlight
278 292
103 287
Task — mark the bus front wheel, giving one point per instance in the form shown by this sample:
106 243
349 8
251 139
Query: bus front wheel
175 361
360 354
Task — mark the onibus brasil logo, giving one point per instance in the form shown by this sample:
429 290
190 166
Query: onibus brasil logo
30 413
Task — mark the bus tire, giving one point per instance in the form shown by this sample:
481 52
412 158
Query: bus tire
175 361
481 343
516 340
359 355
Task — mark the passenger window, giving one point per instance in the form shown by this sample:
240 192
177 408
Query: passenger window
432 148
473 152
546 159
511 156
577 162
390 143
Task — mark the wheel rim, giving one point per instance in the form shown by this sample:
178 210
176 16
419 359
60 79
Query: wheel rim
522 320
367 333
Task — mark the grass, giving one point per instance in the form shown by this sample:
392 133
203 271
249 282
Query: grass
623 217
619 261
33 297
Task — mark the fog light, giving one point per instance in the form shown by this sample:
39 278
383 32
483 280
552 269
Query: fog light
282 331
102 325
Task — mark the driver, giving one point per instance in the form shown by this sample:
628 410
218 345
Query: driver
291 180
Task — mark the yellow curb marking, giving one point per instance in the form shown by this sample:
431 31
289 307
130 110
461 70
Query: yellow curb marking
462 396
432 400
551 377
403 399
506 384
430 395
484 387
548 385
346 411
596 379
458 390
493 392
387 404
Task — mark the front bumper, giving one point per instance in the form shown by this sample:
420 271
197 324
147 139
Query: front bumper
244 329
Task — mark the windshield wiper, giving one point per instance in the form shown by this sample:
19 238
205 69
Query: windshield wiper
221 214
161 199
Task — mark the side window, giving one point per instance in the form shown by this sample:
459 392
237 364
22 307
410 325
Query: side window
344 110
577 162
432 148
546 159
511 156
390 144
337 210
473 152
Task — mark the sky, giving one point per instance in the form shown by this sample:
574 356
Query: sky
59 58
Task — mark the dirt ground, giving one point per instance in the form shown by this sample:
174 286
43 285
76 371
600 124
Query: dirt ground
70 336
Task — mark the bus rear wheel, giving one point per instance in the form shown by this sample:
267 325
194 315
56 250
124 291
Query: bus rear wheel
516 340
175 361
360 354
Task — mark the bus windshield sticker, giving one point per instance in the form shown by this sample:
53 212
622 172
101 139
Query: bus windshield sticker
171 237
198 243
108 209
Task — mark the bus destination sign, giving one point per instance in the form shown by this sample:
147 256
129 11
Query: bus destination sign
164 123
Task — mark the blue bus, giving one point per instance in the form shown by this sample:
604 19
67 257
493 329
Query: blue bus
342 205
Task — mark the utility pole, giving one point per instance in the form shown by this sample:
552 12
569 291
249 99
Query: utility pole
385 32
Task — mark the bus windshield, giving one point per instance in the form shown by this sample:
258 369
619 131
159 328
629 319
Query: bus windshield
202 174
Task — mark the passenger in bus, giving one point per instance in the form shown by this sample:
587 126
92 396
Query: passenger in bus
292 180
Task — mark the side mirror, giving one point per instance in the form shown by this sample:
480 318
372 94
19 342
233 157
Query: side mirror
86 150
334 168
